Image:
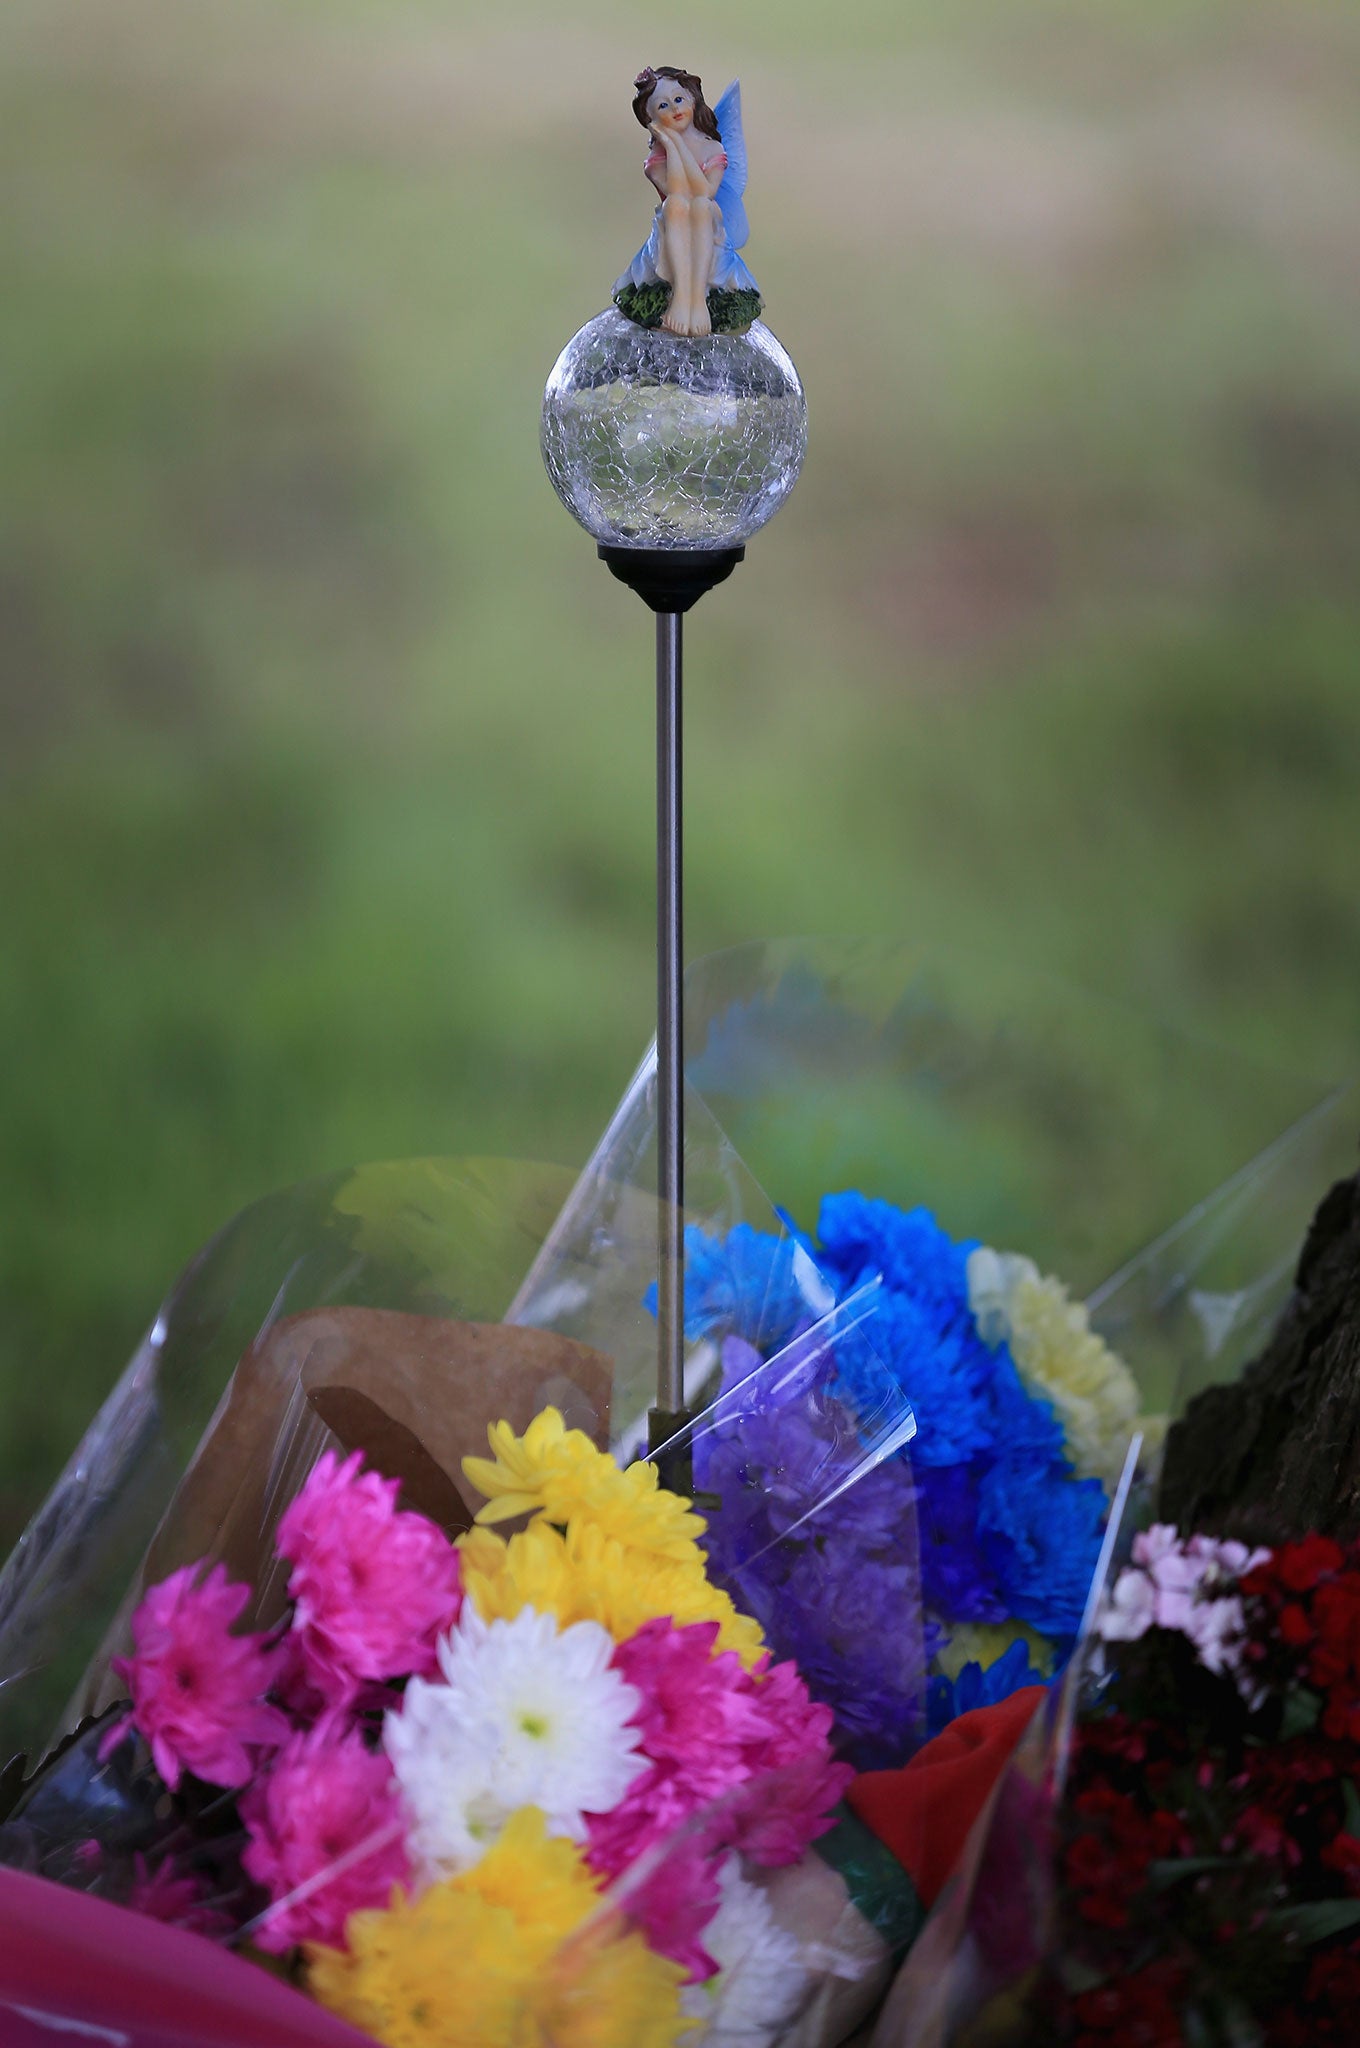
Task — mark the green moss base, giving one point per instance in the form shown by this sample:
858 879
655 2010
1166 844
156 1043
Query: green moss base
730 312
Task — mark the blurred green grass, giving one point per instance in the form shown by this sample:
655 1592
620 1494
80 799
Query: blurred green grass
324 742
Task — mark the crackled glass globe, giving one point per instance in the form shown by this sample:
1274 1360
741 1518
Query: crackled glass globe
652 441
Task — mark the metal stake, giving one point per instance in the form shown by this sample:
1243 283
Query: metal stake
670 1050
669 582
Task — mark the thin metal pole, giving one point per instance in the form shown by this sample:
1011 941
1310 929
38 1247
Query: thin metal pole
670 1051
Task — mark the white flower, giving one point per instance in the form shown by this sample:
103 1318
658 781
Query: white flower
1130 1610
1188 1587
1059 1357
1216 1628
452 1813
990 1281
760 1980
527 1714
1152 1545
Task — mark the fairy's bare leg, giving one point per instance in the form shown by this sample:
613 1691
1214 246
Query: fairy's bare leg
677 226
691 315
702 232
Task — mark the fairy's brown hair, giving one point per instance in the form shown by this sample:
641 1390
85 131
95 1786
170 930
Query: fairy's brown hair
705 120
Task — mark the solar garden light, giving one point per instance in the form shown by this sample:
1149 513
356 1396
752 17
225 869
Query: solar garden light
674 426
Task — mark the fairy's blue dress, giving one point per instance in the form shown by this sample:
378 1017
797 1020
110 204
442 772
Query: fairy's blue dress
729 273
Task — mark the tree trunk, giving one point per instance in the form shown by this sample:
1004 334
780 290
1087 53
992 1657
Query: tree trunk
1279 1453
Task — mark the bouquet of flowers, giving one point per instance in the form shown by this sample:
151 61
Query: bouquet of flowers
905 1446
1209 1848
492 1790
1024 1417
1186 1871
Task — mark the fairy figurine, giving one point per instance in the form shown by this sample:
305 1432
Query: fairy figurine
687 277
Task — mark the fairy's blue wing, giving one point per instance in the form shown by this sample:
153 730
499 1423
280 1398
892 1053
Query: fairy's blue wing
729 194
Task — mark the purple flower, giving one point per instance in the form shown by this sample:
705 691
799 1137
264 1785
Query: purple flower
837 1591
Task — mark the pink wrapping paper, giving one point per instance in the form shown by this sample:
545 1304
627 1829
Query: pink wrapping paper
76 1970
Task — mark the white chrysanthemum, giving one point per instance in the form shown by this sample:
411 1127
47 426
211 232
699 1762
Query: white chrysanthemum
1059 1357
760 1980
527 1714
453 1816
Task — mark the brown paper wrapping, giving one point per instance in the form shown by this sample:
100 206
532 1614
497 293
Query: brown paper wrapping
415 1393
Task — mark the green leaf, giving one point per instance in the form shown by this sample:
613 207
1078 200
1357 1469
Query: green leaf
1078 1975
1318 1920
1169 1872
1351 1796
1301 1711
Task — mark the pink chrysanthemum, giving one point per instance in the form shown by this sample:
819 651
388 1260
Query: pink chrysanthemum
698 1711
178 1897
779 1813
374 1586
717 1732
197 1690
784 1813
698 1720
676 1901
792 1724
325 1798
653 1806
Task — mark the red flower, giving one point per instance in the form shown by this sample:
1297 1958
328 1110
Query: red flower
1116 1735
1263 1833
1141 2011
1294 1625
1106 1863
1341 1719
1342 1854
1326 2017
1335 1978
1301 1566
1269 1816
1096 1875
1336 1618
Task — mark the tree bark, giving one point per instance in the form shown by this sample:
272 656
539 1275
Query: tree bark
1278 1453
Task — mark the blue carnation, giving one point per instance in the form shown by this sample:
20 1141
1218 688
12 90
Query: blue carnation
745 1284
1041 1530
858 1236
968 1399
1005 1529
1024 1425
944 1373
976 1687
958 1577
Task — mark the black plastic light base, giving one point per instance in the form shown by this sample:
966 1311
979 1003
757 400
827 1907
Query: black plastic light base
671 579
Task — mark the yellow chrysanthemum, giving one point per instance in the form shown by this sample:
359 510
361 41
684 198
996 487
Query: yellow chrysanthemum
982 1642
1059 1356
541 1878
531 1570
558 1473
586 1575
484 1960
446 1972
629 1587
607 1989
